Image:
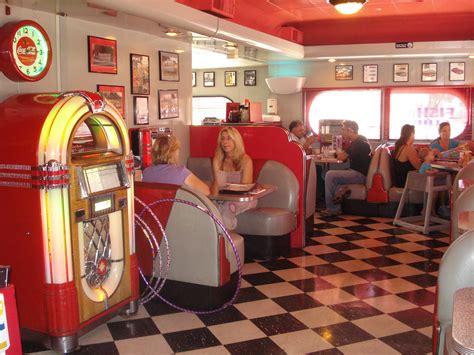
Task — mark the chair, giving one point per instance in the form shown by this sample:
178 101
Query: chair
456 271
464 203
427 183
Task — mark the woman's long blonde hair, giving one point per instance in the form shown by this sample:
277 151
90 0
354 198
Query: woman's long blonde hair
164 150
239 150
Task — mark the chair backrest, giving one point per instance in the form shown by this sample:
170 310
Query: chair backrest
201 167
311 182
466 173
385 168
464 203
455 271
286 196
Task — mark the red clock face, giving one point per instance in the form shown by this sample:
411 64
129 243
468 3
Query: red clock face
25 51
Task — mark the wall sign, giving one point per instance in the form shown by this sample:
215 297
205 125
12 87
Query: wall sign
25 51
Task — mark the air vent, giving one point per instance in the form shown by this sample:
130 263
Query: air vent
220 8
291 34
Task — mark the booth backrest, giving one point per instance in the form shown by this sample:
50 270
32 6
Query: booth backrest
286 196
466 173
373 167
311 182
385 168
201 167
464 203
455 272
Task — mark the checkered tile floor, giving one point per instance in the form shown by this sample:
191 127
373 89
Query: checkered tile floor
360 286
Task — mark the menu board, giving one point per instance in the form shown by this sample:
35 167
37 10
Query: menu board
100 178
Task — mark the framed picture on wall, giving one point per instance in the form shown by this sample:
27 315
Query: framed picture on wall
250 77
230 78
168 104
456 71
115 95
140 110
169 66
400 72
429 71
344 72
194 78
140 74
102 55
370 73
209 78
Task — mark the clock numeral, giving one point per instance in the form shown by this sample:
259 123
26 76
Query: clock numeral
40 52
34 69
20 66
40 62
28 71
14 39
18 33
25 29
38 42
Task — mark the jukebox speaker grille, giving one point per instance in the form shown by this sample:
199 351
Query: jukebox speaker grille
97 251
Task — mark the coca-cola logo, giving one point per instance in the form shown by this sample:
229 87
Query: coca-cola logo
26 51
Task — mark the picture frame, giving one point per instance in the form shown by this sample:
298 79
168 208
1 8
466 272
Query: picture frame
139 74
401 72
168 104
344 72
230 78
250 77
429 71
102 55
115 94
140 110
194 78
169 66
457 71
370 73
208 79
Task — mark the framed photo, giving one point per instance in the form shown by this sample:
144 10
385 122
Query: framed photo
140 74
168 104
371 72
230 78
344 72
194 78
456 71
140 110
250 77
169 66
428 71
209 78
102 55
400 72
115 95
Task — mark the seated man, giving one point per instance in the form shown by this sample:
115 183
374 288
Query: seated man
298 134
359 155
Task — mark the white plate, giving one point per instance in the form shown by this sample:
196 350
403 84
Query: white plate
239 187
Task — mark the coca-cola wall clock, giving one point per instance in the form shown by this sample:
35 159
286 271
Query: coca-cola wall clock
25 51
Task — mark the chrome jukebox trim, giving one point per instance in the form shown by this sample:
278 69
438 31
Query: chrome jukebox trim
52 175
94 101
123 174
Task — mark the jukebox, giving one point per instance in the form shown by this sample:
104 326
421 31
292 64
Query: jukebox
67 213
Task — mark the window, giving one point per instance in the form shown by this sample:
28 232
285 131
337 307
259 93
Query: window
209 106
426 109
360 105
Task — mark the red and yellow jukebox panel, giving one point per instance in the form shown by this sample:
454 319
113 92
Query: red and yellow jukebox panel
67 207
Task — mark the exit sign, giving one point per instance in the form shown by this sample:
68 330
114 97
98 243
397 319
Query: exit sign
404 45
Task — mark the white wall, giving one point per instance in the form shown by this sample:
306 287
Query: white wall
69 70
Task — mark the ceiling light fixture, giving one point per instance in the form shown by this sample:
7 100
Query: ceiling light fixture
172 33
331 60
230 46
347 7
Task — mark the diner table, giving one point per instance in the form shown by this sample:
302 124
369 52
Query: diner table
258 191
447 165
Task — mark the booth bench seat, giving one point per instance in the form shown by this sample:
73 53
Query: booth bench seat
203 262
266 229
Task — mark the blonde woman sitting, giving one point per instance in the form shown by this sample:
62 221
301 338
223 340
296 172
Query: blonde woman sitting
165 168
231 165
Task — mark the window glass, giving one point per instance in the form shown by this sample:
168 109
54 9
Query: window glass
209 106
426 111
362 106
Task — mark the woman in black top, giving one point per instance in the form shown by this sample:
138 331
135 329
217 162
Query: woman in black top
405 156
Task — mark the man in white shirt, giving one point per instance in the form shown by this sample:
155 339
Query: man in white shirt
297 134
